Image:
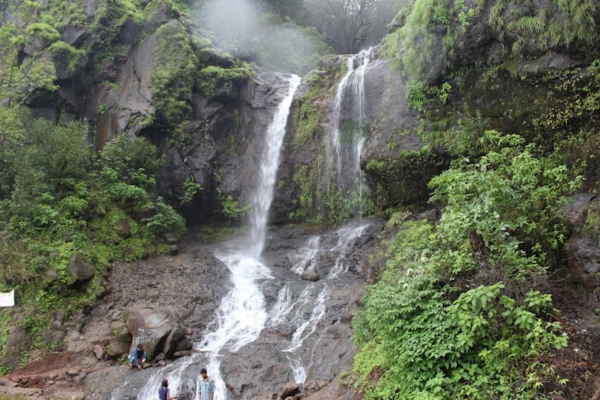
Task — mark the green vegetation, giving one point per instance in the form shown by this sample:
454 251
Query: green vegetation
210 234
308 117
231 208
212 78
458 312
531 28
59 198
174 73
401 179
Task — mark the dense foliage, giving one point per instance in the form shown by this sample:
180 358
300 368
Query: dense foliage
59 198
458 312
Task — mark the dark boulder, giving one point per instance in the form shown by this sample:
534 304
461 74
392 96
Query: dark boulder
17 343
75 35
79 270
289 390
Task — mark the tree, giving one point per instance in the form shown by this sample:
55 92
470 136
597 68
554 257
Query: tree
350 25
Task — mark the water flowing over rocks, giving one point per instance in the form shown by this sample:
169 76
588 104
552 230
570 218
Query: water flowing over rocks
306 334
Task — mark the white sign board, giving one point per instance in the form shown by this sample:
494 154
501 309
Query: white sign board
7 299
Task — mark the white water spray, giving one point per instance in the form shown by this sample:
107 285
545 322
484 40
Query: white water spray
305 257
263 196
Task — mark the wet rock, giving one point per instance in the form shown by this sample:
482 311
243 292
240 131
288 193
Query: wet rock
75 35
183 353
79 270
35 45
185 344
289 390
310 275
90 7
149 327
123 335
133 101
117 348
584 250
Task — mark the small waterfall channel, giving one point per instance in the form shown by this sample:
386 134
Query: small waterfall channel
350 123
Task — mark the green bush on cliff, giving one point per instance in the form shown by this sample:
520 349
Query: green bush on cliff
174 73
212 78
456 313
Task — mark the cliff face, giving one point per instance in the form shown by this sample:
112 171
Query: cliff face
147 70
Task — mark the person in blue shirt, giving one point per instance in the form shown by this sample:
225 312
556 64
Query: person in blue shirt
163 392
137 357
206 387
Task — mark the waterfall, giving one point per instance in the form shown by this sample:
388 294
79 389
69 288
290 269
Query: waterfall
348 133
302 305
241 315
263 195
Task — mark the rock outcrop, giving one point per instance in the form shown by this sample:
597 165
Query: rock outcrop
79 270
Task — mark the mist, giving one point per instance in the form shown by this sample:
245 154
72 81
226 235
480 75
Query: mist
246 30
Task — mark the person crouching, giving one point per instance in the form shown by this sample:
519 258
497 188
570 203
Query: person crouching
137 357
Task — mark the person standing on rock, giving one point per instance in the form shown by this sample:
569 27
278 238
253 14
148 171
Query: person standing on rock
206 387
163 392
137 357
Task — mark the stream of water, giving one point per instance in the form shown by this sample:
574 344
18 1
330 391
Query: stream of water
350 117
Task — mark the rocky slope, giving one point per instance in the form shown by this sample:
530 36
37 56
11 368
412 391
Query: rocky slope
174 298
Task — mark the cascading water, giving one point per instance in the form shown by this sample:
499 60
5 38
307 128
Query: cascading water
307 311
350 118
241 315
